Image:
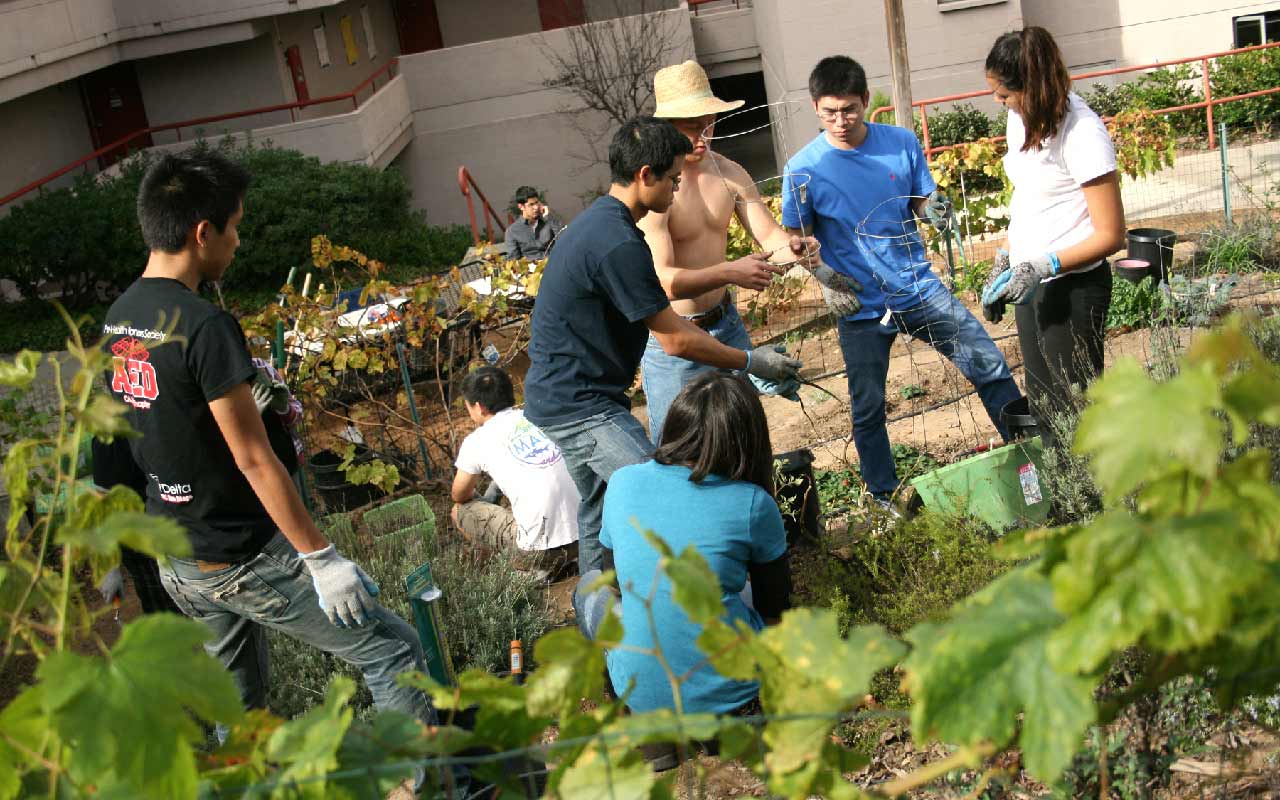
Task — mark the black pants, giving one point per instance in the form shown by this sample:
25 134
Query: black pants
1060 332
145 574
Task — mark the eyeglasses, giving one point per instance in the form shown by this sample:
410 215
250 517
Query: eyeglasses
675 181
848 114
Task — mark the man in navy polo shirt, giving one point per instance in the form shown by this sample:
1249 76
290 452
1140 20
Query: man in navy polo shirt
599 300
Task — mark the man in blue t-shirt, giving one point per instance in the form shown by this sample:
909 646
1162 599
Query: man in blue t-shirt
859 188
598 302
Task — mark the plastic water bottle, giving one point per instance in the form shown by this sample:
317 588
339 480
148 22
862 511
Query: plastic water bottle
490 354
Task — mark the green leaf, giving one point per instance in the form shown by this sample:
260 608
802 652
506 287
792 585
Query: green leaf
18 465
122 715
391 737
570 668
1170 584
105 418
729 649
610 632
602 773
1136 430
694 587
21 371
970 677
106 529
24 722
662 725
307 747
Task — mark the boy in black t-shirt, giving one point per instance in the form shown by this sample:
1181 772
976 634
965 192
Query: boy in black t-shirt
182 366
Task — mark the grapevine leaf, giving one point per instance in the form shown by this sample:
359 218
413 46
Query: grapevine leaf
24 723
146 533
662 725
391 737
18 464
1135 429
105 418
21 371
307 747
1170 583
694 587
570 668
1246 654
156 669
970 677
601 773
729 649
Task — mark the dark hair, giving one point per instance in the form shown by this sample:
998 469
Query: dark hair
524 193
837 76
645 141
716 426
181 190
490 387
1030 62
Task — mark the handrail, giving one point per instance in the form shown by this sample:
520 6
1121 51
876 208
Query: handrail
466 183
1208 103
178 126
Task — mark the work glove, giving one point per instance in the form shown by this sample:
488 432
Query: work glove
995 311
112 586
772 364
938 210
789 388
839 291
346 593
270 395
1016 284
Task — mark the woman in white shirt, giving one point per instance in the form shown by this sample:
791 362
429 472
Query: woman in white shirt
1065 218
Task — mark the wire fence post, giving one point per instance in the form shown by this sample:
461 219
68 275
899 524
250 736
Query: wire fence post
413 410
1226 181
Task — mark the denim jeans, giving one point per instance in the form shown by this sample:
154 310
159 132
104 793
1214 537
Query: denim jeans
942 321
590 608
594 448
274 590
664 376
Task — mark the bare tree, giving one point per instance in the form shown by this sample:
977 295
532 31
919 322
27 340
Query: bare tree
607 66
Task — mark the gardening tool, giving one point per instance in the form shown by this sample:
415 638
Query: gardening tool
424 601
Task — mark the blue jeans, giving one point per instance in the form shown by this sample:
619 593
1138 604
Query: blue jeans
589 609
664 376
949 327
274 590
594 448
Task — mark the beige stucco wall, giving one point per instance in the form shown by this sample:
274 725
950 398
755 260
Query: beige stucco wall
465 22
507 129
212 81
40 133
946 50
726 41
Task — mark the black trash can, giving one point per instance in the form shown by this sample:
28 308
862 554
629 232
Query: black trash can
331 483
1154 246
797 495
1019 420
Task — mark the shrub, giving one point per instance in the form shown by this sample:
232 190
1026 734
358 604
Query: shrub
86 237
1243 73
963 123
37 325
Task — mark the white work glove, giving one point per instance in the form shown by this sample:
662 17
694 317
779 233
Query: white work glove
267 395
112 586
346 593
838 290
772 364
938 210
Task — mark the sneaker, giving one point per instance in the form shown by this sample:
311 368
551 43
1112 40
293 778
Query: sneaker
882 515
662 756
538 575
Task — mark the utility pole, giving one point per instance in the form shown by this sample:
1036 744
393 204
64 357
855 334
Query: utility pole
899 67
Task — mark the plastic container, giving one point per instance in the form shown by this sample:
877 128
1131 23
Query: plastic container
1154 246
1019 420
1133 270
331 483
797 495
424 601
408 517
1001 487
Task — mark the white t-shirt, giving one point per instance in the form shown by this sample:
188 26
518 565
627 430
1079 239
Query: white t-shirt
1048 211
530 471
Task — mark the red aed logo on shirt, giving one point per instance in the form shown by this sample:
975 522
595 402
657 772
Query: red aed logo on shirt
133 378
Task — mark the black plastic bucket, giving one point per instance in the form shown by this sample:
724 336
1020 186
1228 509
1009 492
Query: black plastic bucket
1154 246
331 483
797 495
1019 420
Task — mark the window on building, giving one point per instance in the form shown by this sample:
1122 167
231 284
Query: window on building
1255 29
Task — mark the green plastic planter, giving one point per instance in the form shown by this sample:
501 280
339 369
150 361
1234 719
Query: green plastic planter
1001 487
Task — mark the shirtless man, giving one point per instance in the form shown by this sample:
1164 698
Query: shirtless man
688 241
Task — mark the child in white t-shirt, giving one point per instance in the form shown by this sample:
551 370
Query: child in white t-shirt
540 530
1065 218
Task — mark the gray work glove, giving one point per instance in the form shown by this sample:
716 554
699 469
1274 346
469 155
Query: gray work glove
772 363
112 586
995 311
838 290
789 388
938 210
1016 284
269 395
346 593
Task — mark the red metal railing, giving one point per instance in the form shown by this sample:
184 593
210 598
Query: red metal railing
386 70
1207 104
468 184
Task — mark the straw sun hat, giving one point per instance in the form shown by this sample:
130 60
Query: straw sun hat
683 91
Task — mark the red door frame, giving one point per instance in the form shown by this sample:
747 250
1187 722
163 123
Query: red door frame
114 109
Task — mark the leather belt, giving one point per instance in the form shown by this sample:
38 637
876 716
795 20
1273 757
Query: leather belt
708 319
211 566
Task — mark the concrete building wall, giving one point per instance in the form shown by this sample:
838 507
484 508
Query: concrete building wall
464 22
726 42
40 133
507 130
212 81
947 45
